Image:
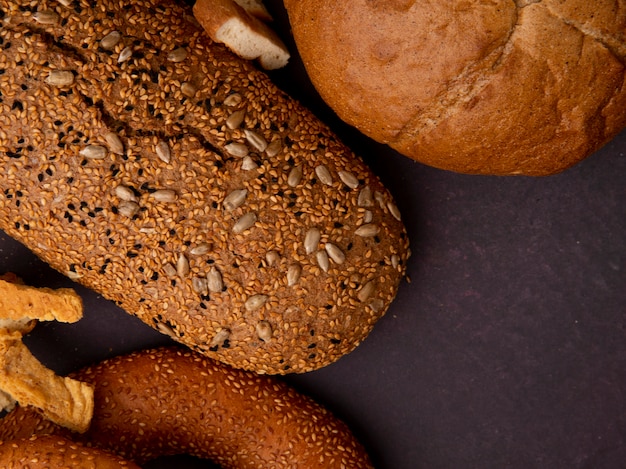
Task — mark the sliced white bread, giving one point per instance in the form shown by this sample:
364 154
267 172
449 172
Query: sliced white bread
256 9
227 22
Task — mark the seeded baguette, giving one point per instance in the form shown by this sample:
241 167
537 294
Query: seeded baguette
171 401
150 164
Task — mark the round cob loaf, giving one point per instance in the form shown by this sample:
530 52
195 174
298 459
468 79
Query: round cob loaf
503 87
151 165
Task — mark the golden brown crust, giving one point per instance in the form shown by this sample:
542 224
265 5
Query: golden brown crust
45 304
63 400
23 378
49 451
24 324
499 88
153 166
170 401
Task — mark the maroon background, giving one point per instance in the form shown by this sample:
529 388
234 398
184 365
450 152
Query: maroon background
506 350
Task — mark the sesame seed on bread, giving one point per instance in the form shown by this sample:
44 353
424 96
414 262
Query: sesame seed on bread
169 401
52 451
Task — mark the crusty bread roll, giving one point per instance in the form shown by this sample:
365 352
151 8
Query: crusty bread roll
498 87
169 401
152 165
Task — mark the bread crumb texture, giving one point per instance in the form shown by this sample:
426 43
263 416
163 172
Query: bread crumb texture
150 164
499 87
169 401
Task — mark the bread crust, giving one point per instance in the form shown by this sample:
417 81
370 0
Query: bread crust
23 377
171 401
500 88
18 301
63 400
153 166
50 451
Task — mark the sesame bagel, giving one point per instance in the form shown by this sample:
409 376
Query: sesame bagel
45 452
153 166
172 401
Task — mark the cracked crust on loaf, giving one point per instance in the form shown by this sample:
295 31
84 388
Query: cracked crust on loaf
526 87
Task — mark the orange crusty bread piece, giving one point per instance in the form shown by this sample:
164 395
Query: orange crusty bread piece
24 324
153 166
63 400
23 378
173 401
18 302
502 87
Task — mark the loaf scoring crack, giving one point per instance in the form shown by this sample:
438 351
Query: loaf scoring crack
616 46
180 183
462 89
57 43
118 126
475 86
